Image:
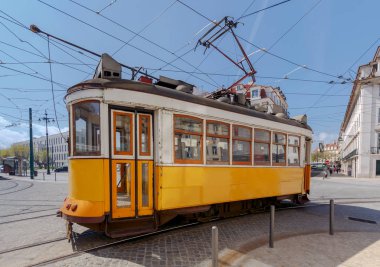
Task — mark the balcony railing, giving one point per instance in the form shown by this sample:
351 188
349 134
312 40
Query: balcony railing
375 150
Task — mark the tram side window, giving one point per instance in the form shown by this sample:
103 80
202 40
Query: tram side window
278 149
261 147
188 133
217 143
87 128
293 150
241 145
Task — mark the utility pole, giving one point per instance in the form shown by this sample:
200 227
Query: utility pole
47 119
31 154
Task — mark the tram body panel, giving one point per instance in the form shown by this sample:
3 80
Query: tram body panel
88 188
187 186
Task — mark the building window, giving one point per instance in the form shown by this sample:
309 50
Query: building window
278 149
188 133
261 147
255 94
293 150
86 117
241 145
377 167
217 142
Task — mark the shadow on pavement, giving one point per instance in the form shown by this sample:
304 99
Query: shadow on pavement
304 231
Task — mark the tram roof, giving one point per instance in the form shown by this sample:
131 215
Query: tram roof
172 93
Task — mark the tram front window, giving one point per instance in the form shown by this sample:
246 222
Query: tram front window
87 128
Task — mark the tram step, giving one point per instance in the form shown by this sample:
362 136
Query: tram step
131 227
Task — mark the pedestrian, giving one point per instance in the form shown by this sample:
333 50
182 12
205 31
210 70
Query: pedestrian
325 173
331 171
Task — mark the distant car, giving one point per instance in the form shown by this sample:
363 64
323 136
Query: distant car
62 169
1 168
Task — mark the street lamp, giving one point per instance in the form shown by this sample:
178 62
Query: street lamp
47 119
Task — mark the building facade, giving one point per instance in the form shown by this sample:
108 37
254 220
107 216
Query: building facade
360 129
263 97
330 153
58 148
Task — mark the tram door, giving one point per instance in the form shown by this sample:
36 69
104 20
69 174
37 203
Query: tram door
132 164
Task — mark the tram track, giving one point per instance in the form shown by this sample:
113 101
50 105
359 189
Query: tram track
31 245
285 206
12 182
21 189
23 213
107 245
30 218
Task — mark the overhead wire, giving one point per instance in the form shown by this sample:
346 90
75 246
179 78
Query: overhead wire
107 6
289 30
268 52
21 25
121 40
52 90
145 27
328 89
263 9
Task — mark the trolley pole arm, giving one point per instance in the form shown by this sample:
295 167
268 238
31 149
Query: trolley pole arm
35 29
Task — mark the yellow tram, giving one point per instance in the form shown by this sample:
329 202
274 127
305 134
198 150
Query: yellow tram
143 154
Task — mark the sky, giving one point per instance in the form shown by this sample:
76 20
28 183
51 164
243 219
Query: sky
317 44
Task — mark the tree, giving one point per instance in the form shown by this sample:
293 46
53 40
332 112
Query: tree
4 153
20 151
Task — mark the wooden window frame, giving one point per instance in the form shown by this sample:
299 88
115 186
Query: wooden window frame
285 150
245 140
258 141
188 161
149 135
228 137
74 141
124 153
299 150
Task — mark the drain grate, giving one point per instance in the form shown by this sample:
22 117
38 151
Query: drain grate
362 220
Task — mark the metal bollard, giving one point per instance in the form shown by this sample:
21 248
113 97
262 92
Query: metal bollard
55 176
271 226
214 246
332 216
43 176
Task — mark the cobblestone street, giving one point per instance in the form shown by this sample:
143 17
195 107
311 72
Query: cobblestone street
28 217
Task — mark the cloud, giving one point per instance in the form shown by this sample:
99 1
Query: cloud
14 134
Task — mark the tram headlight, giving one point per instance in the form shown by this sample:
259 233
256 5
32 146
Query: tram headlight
74 207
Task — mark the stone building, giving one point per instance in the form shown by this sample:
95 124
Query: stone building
360 129
58 148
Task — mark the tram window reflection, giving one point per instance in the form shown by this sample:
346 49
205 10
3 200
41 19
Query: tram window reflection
241 145
278 149
87 128
261 147
123 126
188 139
217 143
293 150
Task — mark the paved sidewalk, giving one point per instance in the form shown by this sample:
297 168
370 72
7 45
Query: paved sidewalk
61 177
341 249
